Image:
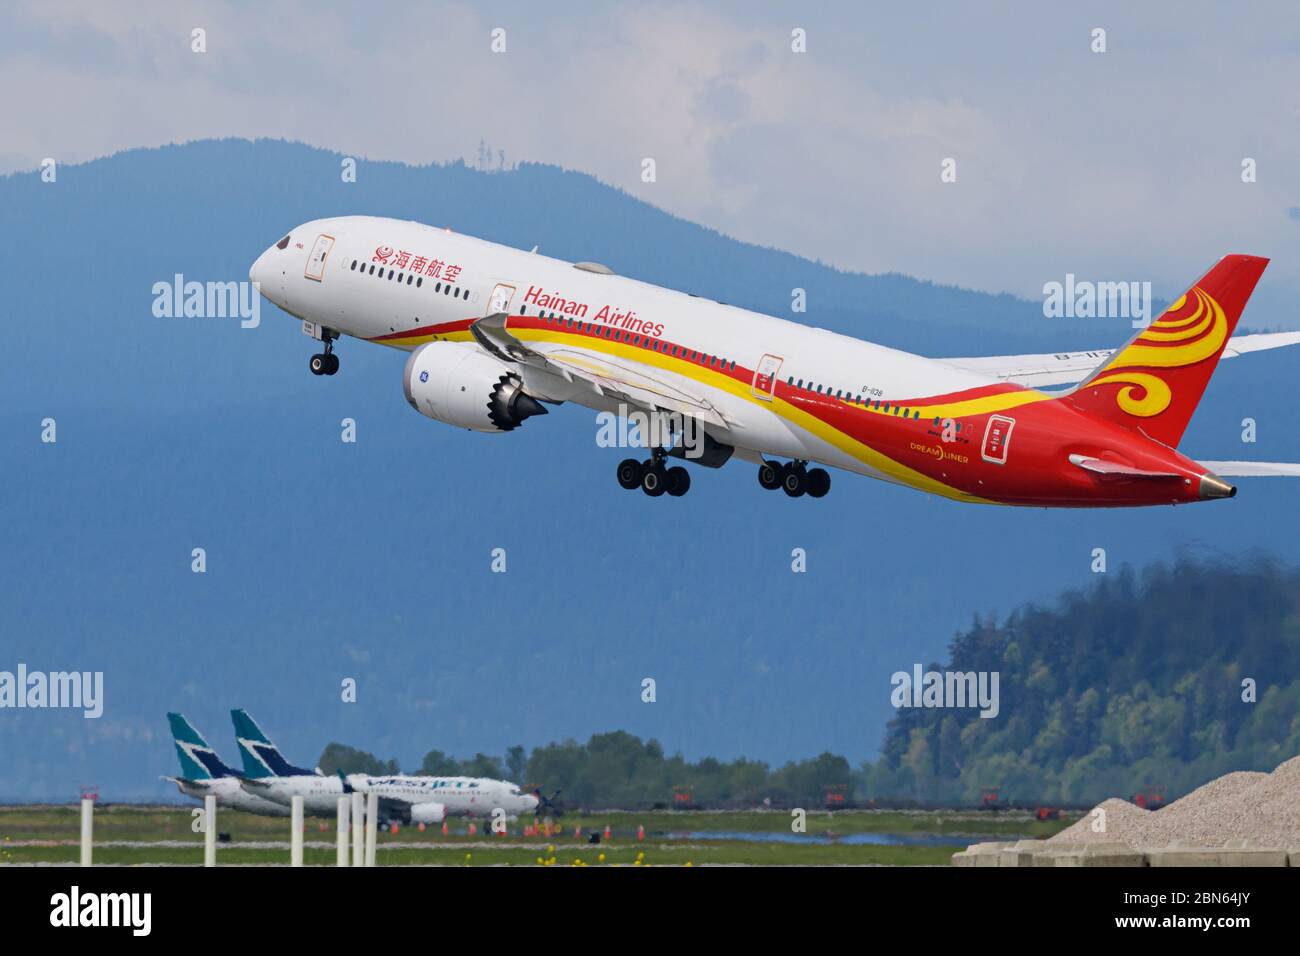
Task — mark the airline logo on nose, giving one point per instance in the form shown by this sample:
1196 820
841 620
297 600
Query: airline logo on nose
415 264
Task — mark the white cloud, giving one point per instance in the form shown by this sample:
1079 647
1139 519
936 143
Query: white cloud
1121 165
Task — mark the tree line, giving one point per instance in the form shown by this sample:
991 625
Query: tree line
1150 682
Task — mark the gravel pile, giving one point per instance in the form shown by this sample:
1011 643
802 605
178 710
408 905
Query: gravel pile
1245 807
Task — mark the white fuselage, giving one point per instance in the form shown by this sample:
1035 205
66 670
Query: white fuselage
355 275
230 795
320 794
462 796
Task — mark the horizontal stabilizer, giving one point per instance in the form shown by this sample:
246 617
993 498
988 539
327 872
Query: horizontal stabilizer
1101 466
1254 469
1067 368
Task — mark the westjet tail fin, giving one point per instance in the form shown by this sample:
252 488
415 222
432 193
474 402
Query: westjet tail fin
261 758
198 760
1154 383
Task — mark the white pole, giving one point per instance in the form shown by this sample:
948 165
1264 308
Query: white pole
87 828
372 826
209 830
295 838
358 820
344 805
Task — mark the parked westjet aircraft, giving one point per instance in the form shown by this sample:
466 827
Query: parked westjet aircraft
496 334
203 773
418 799
405 799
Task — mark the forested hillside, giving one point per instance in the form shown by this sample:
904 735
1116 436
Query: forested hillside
1159 680
1143 681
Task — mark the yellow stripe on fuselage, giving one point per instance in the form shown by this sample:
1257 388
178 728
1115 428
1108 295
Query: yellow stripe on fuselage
783 409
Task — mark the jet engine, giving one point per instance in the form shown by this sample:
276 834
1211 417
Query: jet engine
428 812
456 383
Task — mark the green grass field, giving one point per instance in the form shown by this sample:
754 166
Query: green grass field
152 835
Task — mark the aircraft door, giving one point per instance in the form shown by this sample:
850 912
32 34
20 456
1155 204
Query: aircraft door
500 299
320 251
765 377
997 439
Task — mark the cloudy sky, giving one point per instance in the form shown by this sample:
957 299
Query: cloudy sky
1125 164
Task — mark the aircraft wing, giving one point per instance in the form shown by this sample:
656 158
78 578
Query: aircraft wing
606 376
1066 368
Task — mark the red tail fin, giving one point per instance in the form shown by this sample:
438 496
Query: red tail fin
1155 382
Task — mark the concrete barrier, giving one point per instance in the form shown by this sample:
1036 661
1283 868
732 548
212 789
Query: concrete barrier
1091 854
980 854
1242 856
1046 853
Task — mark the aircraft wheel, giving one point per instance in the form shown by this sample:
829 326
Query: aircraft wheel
679 481
629 473
319 363
331 363
769 475
794 481
819 482
654 481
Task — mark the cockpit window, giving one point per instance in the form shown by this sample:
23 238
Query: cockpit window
283 243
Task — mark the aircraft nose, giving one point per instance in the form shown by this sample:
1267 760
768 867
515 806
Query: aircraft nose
257 270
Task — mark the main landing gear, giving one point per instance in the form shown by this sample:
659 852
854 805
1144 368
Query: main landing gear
325 363
794 478
652 477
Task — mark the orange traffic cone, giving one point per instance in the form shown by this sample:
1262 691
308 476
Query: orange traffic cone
640 832
421 828
444 827
606 831
472 828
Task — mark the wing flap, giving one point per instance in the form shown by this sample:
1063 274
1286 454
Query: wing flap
606 377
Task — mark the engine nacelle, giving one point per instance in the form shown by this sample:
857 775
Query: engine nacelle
459 384
428 812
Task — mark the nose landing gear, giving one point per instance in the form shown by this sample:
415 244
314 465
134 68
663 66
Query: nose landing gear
325 363
794 478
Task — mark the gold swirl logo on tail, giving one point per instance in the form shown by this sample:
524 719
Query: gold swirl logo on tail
1175 340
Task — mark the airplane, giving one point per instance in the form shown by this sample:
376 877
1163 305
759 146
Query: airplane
203 773
496 334
403 799
269 776
408 798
